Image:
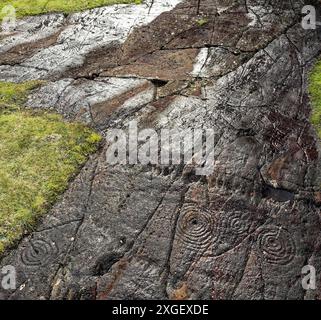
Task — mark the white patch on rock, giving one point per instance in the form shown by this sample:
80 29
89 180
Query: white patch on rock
87 31
71 98
253 17
20 73
33 29
200 62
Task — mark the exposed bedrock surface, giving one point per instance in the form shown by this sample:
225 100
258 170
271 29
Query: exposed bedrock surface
147 232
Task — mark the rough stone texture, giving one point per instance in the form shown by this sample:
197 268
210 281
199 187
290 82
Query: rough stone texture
148 232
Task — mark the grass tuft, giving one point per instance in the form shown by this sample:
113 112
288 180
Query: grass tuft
201 22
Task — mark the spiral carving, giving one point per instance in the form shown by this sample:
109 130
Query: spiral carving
39 253
276 245
232 225
195 228
236 222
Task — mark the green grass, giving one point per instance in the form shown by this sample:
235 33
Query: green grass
315 93
40 153
13 95
34 7
201 22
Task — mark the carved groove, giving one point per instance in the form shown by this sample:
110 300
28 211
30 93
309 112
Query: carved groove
195 228
276 245
39 253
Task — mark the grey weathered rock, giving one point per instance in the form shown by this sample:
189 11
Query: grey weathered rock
143 232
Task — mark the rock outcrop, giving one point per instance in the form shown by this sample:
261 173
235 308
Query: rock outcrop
245 231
